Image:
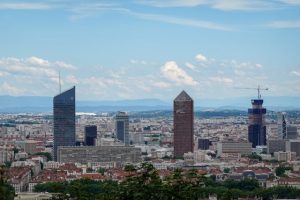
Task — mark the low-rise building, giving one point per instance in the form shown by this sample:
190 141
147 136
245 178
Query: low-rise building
19 178
6 155
233 147
85 154
284 156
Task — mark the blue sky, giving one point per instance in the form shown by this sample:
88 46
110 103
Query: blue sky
135 49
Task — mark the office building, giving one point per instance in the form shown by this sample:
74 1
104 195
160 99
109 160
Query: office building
122 127
256 123
284 156
97 154
183 114
281 125
291 132
203 144
90 135
243 148
276 145
64 120
32 146
293 146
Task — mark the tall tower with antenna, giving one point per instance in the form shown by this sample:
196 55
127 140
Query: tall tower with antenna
257 133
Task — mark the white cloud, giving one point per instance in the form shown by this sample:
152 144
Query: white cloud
258 65
240 65
201 58
296 73
174 3
135 62
291 2
25 6
3 74
161 84
173 72
189 65
285 24
37 61
239 72
244 5
182 21
225 5
64 65
221 79
9 89
32 66
72 80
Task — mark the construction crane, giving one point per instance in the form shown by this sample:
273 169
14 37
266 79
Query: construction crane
258 90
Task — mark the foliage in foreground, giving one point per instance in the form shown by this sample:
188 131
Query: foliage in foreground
145 183
7 192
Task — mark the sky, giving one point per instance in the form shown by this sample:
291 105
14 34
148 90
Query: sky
136 49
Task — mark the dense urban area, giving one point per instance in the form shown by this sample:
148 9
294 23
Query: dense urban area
179 154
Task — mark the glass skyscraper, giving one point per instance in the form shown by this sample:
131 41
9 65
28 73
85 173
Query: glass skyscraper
90 135
122 127
281 125
64 120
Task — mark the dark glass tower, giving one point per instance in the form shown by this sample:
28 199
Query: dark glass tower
257 125
64 120
122 127
183 124
90 135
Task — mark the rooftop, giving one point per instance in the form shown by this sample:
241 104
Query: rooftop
183 96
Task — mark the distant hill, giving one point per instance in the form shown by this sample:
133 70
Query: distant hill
29 104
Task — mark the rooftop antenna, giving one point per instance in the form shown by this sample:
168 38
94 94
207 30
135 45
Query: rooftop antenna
59 82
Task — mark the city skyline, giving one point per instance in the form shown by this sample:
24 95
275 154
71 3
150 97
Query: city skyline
149 49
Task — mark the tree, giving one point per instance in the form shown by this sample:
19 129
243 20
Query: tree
101 170
254 156
280 171
7 192
226 170
89 170
129 168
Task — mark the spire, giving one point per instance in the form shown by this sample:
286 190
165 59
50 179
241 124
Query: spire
183 96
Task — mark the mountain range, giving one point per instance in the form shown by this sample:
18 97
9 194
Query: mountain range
29 104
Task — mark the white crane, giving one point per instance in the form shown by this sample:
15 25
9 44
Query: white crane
258 90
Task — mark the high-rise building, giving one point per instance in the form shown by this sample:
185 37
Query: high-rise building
183 114
281 125
276 145
291 132
293 146
64 120
90 135
203 143
256 124
122 127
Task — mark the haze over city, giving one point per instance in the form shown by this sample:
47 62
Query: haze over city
116 50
